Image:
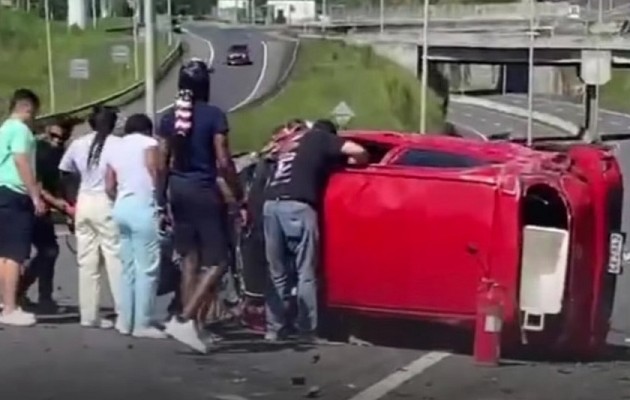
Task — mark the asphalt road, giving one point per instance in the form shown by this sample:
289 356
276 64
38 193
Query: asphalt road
481 121
59 360
609 121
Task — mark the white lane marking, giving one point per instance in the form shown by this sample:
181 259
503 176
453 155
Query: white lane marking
614 122
469 128
573 105
497 124
261 77
467 115
210 60
391 382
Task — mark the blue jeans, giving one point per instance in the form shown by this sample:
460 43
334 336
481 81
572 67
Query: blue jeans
291 247
140 256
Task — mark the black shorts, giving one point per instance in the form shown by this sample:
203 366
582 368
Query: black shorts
17 215
199 222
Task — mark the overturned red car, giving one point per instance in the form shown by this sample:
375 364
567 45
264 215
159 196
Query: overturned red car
433 220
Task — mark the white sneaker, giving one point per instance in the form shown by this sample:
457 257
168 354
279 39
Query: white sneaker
186 333
121 328
149 333
102 324
18 318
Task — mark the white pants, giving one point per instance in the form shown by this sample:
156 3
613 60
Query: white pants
97 243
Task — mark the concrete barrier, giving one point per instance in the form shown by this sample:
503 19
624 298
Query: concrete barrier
547 119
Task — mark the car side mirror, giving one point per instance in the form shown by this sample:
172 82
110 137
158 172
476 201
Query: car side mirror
211 70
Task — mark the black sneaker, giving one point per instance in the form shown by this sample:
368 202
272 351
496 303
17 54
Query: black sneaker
47 306
26 304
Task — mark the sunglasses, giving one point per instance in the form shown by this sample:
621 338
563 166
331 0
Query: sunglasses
58 136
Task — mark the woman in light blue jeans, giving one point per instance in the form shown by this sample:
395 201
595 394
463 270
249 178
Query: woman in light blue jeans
131 180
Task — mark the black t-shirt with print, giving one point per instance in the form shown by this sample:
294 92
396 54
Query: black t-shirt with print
304 166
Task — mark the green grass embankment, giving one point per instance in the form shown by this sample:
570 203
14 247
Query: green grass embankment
614 94
382 94
24 62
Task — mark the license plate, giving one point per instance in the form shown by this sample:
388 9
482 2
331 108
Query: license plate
615 260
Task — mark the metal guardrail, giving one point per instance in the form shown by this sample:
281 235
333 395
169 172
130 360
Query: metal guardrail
124 96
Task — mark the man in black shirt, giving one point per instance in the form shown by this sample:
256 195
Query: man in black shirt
50 148
293 198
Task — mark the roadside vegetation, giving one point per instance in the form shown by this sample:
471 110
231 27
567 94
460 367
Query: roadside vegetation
614 94
381 94
24 62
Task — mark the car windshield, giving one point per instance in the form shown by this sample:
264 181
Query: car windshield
238 48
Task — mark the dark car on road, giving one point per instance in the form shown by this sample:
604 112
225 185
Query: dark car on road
238 54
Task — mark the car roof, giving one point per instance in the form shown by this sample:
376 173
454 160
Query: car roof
238 47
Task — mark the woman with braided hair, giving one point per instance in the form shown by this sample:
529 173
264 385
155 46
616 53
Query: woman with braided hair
194 153
96 232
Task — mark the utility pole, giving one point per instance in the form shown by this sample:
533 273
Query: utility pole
530 70
382 17
169 11
149 58
424 81
94 14
51 69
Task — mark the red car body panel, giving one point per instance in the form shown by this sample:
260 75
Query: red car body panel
397 239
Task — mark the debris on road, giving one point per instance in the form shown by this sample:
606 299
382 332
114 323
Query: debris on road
298 380
313 392
355 341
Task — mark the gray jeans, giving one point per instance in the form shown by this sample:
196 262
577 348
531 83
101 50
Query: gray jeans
291 247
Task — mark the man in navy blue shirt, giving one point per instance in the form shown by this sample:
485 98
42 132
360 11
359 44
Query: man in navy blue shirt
195 152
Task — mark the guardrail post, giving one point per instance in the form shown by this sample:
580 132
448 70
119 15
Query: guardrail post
149 62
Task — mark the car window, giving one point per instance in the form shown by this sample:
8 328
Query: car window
238 48
438 159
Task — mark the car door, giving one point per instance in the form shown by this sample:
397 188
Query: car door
397 237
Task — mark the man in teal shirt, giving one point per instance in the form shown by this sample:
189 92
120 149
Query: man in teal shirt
20 201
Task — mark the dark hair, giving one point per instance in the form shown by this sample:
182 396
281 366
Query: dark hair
22 95
95 110
193 86
66 123
325 125
295 123
104 122
139 123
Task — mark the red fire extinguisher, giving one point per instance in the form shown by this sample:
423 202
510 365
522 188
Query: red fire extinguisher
487 345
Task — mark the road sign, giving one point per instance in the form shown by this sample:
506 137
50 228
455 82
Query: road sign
80 69
596 66
120 54
342 113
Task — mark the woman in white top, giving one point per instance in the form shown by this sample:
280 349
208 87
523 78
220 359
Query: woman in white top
95 229
131 179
